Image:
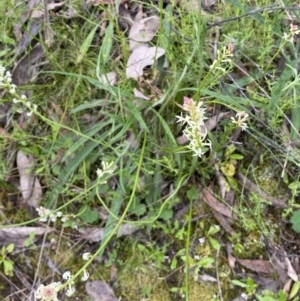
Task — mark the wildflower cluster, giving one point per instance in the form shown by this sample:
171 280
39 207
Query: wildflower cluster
240 120
45 213
223 56
49 292
195 129
294 30
107 168
6 83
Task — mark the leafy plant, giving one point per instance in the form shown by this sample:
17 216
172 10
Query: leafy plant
8 265
295 220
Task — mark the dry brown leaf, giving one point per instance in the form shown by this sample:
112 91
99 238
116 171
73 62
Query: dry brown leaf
140 95
257 265
206 278
28 36
252 187
4 133
208 3
100 291
24 70
143 31
290 270
266 283
211 201
24 17
96 234
113 273
18 235
223 185
283 266
30 186
230 258
38 13
109 78
140 58
105 2
224 222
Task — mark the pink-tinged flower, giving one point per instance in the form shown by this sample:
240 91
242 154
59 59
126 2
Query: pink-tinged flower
48 292
43 213
188 103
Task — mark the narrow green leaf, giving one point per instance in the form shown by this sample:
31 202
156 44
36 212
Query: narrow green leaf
86 45
239 283
277 90
77 160
106 44
8 267
10 248
214 243
295 290
236 157
89 105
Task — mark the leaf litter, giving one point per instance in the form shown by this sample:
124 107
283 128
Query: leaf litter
142 30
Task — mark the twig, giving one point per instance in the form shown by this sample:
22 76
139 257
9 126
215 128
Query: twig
48 30
217 274
252 12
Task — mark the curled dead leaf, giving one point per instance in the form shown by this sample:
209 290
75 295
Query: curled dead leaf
100 291
18 235
140 58
30 186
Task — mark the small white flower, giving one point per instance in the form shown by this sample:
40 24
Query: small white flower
23 96
70 291
86 256
53 241
59 214
201 240
29 114
53 217
240 120
2 70
43 213
196 257
99 173
15 100
67 275
244 296
12 89
64 219
85 276
75 226
108 167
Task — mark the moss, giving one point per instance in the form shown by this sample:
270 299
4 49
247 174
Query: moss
142 281
204 291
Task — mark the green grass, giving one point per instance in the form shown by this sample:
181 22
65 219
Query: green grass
81 122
